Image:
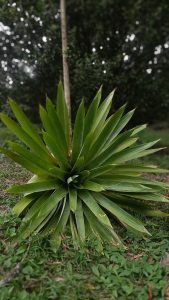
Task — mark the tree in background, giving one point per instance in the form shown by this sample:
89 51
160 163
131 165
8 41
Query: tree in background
29 61
66 79
123 44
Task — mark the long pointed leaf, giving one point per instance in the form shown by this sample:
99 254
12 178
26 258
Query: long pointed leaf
80 220
105 134
62 112
121 214
45 209
91 113
25 123
55 150
43 185
78 132
88 199
73 200
24 137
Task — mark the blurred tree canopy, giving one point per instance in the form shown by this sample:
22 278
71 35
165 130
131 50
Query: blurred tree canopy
117 43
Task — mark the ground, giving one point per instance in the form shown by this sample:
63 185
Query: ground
35 272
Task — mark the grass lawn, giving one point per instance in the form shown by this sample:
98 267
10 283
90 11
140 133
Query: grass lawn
155 134
35 272
161 158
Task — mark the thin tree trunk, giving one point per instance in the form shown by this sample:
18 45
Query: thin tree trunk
64 57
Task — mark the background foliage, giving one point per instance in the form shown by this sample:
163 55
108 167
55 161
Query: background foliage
118 43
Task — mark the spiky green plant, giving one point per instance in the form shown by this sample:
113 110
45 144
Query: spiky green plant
85 180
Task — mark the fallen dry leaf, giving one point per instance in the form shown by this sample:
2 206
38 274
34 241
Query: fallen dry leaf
58 279
150 291
55 278
90 286
165 260
3 209
31 284
167 292
134 256
54 262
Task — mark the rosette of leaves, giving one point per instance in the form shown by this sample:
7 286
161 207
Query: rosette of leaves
86 180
